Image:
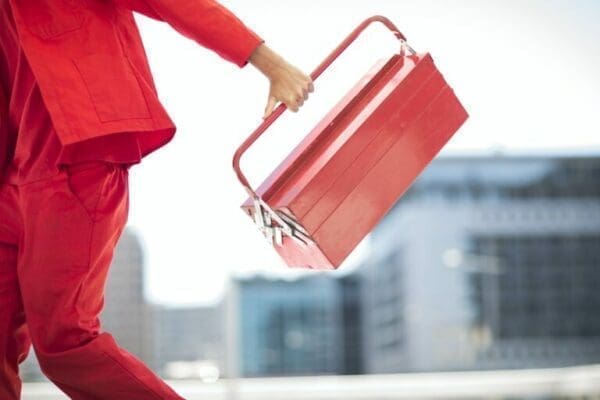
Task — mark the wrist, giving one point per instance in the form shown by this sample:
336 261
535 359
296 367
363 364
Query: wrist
266 61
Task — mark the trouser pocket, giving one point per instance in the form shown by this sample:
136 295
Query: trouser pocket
87 183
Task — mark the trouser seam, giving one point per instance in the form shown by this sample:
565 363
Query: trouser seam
158 396
92 217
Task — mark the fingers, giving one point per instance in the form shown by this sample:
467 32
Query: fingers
292 91
311 86
294 101
302 93
308 87
270 106
300 98
293 104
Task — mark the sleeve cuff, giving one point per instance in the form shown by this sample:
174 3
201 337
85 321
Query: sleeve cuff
251 43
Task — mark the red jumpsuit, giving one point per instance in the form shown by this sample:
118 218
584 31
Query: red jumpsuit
62 211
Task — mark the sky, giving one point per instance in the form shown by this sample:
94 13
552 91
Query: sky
526 71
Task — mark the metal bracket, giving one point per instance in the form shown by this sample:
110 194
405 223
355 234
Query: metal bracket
264 217
405 46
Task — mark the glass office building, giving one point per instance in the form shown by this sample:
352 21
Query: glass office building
487 262
302 326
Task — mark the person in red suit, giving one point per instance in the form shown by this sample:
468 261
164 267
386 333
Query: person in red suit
78 108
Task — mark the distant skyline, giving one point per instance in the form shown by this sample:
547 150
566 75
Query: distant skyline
525 70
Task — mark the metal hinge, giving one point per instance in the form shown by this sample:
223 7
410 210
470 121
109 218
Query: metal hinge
405 46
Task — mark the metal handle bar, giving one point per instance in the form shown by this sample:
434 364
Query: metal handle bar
314 75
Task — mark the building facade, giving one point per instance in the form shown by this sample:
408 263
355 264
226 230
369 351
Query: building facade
191 335
126 314
490 262
303 326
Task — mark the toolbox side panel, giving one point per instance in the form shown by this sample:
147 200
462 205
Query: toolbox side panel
375 195
353 133
391 127
297 255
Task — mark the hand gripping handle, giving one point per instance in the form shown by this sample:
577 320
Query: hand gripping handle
314 75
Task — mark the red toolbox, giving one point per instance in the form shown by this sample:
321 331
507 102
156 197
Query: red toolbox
347 173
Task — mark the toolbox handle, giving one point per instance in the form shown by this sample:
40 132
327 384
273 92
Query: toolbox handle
314 75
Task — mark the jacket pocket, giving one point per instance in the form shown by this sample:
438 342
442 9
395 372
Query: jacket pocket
48 19
113 87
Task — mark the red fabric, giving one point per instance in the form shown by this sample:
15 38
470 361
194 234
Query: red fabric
37 153
80 88
91 66
57 237
92 90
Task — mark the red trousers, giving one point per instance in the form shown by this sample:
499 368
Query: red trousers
57 237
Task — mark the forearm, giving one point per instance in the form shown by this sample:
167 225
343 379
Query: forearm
267 61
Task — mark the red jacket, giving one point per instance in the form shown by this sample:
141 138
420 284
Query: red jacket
91 67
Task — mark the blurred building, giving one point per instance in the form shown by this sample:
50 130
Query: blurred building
489 262
127 315
351 325
294 326
157 335
187 336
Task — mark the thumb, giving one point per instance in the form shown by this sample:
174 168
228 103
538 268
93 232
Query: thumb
270 106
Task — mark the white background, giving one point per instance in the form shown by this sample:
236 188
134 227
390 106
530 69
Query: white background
527 72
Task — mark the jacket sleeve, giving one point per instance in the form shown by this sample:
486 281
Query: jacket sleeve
207 22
